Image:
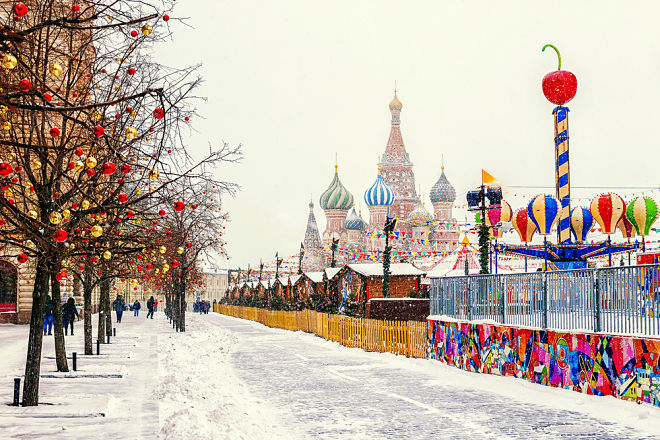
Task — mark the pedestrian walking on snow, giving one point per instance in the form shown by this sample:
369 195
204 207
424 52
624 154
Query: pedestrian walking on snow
48 316
118 304
150 307
136 308
69 311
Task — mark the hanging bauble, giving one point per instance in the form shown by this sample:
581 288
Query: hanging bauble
84 205
175 264
54 132
78 165
55 217
22 258
36 164
581 223
125 169
97 231
180 250
122 197
75 8
55 69
61 276
161 212
147 29
607 210
626 227
162 249
20 10
179 206
24 85
109 168
134 33
642 213
32 214
166 17
9 61
166 267
60 236
159 113
79 152
107 255
66 213
6 169
131 71
98 131
154 174
543 211
523 225
91 162
131 133
6 126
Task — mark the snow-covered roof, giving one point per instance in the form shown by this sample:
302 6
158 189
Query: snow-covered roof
330 272
293 279
283 280
263 283
376 269
316 277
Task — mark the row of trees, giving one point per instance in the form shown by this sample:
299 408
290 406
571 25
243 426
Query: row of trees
97 181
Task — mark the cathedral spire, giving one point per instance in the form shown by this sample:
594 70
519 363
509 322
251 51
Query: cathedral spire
312 236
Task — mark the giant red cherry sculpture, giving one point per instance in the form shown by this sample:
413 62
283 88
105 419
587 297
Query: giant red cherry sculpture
560 86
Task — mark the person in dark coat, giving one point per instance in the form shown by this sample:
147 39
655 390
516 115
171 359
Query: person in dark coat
69 313
136 308
118 304
48 316
150 307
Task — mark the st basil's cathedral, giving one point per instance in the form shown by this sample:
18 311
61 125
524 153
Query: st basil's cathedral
393 194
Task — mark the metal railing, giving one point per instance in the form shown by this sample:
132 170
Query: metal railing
614 299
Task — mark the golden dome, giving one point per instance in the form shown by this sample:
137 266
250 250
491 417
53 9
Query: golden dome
395 104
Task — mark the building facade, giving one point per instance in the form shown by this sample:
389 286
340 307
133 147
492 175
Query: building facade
215 285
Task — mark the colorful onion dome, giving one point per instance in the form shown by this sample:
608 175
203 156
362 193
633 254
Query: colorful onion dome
396 104
354 222
419 216
336 196
379 194
442 191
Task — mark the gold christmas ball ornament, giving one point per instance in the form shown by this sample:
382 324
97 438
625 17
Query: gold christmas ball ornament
36 165
166 267
55 69
131 133
97 231
66 213
9 61
91 162
162 249
179 250
6 126
147 29
55 217
32 214
97 116
84 205
107 255
154 174
78 165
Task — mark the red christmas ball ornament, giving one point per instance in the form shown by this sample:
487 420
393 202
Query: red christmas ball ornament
166 17
24 85
60 236
159 113
130 214
47 97
20 10
90 172
76 8
161 212
22 258
131 71
61 276
134 33
169 151
122 197
98 131
125 169
179 206
186 119
5 169
129 109
109 168
174 263
2 222
79 152
189 245
560 86
54 132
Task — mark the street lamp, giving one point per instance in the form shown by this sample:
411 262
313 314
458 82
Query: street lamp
388 229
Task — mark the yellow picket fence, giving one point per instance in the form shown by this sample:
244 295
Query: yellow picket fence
406 338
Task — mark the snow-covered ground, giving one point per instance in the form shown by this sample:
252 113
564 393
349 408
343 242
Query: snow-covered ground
228 378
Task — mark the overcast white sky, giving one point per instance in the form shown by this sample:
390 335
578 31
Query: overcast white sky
297 81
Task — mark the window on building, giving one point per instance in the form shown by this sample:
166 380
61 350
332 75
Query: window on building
8 283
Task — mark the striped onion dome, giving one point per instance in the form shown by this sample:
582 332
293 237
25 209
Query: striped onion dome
336 196
419 216
354 222
379 194
442 191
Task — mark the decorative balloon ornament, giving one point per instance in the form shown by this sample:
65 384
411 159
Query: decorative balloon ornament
608 209
581 223
525 228
502 214
642 213
544 212
627 229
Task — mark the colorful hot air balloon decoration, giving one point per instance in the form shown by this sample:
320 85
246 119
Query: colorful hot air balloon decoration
642 213
497 215
626 227
544 212
581 223
524 225
608 209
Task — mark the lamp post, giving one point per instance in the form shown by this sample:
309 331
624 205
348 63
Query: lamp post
388 229
333 248
300 258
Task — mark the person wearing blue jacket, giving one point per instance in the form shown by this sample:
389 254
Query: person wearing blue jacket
48 316
118 304
136 308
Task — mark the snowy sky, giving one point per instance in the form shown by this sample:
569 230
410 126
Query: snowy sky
297 81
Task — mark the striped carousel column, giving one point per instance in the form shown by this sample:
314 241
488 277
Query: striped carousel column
562 175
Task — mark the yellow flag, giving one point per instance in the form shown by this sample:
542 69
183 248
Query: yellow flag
487 178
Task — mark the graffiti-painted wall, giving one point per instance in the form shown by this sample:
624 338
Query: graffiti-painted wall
621 366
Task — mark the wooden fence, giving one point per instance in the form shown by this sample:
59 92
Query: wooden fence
406 338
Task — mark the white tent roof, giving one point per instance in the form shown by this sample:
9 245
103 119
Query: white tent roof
316 277
376 269
330 272
293 279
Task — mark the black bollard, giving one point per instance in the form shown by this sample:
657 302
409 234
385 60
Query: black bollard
98 347
114 332
17 387
177 326
75 361
108 338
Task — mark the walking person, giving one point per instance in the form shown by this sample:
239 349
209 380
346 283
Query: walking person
69 311
48 316
118 304
136 308
150 307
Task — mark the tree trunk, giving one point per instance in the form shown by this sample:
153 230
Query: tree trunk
182 306
87 299
60 348
100 327
107 310
33 361
103 318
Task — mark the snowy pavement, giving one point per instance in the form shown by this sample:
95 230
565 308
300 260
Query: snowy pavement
228 378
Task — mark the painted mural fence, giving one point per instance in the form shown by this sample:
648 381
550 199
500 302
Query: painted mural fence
407 338
615 299
625 367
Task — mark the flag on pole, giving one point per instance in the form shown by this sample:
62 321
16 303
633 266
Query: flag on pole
486 178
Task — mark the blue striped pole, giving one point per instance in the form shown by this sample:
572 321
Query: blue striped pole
562 175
